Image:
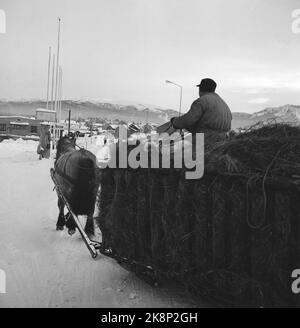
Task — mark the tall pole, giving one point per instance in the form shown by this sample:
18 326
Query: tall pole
180 101
69 123
57 64
48 79
58 97
180 86
52 89
60 91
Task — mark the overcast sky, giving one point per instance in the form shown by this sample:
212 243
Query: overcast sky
126 49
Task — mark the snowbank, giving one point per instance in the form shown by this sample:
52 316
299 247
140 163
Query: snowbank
21 148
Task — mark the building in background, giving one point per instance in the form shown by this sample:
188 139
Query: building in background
19 126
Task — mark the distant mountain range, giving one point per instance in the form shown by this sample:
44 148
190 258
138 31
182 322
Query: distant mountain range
135 112
130 112
286 113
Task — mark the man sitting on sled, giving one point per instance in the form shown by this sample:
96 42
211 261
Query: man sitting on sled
209 114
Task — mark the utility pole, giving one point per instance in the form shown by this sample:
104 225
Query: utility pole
180 86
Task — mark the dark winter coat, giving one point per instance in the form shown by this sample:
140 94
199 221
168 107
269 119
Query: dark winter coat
207 113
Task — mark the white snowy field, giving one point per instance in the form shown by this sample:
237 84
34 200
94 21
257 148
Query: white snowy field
46 268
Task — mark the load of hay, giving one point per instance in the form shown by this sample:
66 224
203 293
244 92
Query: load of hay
232 236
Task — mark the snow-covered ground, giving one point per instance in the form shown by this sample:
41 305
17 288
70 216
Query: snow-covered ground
46 268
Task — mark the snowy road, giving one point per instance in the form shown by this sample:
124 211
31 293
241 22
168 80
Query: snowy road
46 268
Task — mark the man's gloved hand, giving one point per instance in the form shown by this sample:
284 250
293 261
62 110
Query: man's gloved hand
172 122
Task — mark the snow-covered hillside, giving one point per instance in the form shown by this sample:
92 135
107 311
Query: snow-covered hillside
282 114
287 113
86 108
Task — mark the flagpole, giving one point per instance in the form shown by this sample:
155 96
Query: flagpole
48 80
52 89
60 91
57 64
